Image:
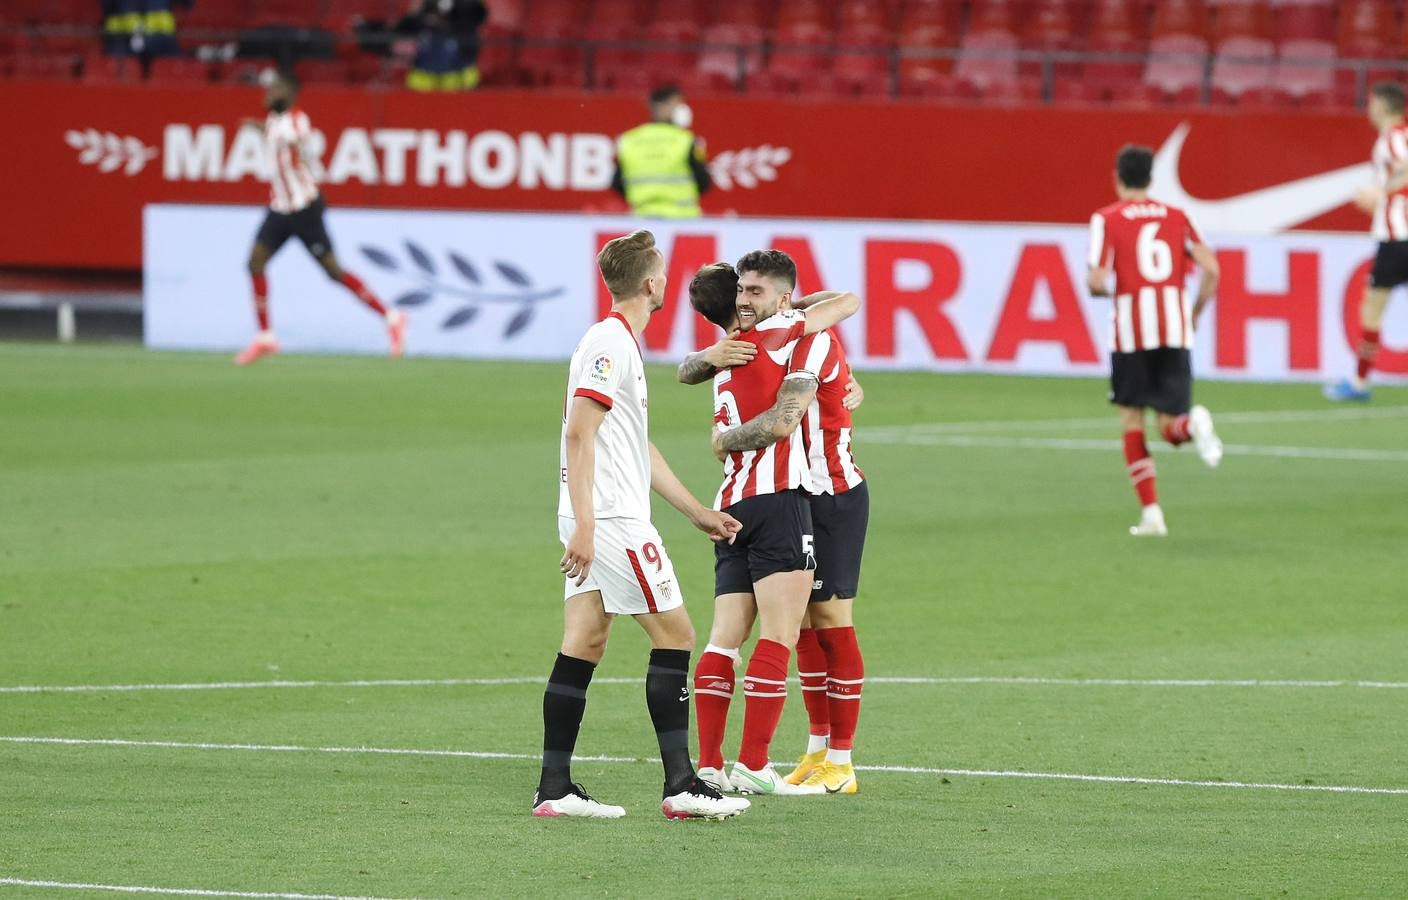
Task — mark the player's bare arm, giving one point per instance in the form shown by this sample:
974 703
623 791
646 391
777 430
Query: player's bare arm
1097 279
700 366
813 299
1209 273
768 428
663 481
584 419
829 313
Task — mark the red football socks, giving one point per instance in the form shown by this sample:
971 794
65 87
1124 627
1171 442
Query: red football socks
765 692
811 667
1368 349
1141 467
1176 432
846 676
355 285
713 692
261 300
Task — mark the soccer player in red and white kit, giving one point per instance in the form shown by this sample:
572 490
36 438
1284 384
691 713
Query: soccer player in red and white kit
1148 245
766 573
829 660
296 208
1387 202
614 561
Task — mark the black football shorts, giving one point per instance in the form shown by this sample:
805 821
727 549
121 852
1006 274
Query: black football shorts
1159 379
1390 265
776 537
840 521
306 225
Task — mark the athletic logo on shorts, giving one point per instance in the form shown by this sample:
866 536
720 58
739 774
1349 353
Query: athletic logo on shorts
664 589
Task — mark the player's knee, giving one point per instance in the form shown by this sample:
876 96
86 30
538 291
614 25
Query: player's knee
680 637
256 265
786 635
331 267
589 647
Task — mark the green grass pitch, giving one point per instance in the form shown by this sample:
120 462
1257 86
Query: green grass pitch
170 519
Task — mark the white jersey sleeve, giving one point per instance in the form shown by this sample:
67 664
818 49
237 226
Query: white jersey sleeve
603 363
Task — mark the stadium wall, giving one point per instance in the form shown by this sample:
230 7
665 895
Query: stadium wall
938 296
84 159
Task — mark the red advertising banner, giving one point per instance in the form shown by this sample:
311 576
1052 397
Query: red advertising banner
82 161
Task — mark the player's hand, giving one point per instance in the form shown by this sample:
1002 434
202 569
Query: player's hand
719 526
730 352
581 551
718 441
1367 199
855 396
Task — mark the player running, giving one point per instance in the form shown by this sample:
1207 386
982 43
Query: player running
615 563
1387 201
296 209
829 660
1147 244
766 572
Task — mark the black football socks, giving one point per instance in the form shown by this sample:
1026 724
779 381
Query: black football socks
667 696
564 701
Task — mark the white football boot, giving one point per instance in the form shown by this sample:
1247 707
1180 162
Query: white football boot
575 805
763 781
1204 437
717 779
701 801
1151 523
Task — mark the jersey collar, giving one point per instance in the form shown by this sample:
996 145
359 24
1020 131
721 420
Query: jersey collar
626 324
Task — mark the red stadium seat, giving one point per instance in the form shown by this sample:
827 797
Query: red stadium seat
1048 26
992 15
1366 29
1242 64
214 15
498 56
331 71
862 56
987 58
60 12
674 49
803 13
1176 64
1178 17
44 67
178 71
1305 20
341 15
1305 68
744 14
923 71
555 15
863 17
552 57
508 15
798 51
285 12
678 13
1240 19
100 69
730 51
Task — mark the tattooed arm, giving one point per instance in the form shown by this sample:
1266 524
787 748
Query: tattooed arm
700 366
769 427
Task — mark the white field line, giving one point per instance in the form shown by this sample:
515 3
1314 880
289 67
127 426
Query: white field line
910 770
1011 680
1247 417
176 892
1108 446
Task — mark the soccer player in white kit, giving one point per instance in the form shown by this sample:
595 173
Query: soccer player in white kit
615 563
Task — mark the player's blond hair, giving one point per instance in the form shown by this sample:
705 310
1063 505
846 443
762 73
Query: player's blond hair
627 261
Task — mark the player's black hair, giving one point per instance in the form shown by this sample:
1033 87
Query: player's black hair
713 292
664 92
770 264
1390 92
1134 166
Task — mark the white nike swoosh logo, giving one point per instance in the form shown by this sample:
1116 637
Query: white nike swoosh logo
783 353
1263 211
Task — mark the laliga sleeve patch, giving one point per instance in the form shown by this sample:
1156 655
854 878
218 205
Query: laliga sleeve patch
600 370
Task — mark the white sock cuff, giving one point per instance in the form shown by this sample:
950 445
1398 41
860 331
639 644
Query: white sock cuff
731 654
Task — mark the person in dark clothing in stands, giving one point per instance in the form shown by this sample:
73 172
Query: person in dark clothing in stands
446 33
661 166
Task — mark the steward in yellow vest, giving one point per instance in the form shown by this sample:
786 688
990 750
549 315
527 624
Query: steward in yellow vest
661 168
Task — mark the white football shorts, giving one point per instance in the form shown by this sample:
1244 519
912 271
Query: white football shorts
631 569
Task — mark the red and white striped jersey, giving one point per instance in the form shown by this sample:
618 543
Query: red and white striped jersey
784 351
826 427
1148 243
1391 213
291 183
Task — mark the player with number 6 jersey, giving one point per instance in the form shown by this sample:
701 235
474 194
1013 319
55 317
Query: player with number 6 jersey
614 561
1150 247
